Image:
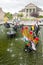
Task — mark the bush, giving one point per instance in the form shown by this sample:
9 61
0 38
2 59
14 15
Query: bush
8 15
40 17
34 14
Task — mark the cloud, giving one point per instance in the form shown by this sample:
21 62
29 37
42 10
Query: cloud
16 5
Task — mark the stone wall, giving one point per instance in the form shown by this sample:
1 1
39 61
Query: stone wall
1 14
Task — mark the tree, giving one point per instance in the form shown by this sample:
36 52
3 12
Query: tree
20 15
34 14
9 15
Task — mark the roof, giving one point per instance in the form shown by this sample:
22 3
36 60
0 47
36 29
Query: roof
22 10
30 4
15 14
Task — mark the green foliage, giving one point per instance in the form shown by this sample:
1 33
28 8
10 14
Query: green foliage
20 15
40 17
27 19
34 14
9 15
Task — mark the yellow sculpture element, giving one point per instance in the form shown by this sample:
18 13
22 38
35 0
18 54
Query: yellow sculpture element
5 19
35 41
29 34
33 27
25 32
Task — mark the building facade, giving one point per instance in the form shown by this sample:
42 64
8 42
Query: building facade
31 8
1 14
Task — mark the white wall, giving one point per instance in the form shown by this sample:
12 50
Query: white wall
41 13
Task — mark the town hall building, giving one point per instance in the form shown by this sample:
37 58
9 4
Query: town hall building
31 8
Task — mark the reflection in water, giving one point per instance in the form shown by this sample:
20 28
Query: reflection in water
21 58
21 64
11 44
12 54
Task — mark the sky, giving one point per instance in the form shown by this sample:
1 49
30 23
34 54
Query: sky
14 6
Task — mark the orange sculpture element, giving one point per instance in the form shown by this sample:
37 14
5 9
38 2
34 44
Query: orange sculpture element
25 31
31 35
36 40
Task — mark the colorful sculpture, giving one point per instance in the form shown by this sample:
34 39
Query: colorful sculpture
29 40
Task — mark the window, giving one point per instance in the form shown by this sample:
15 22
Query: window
33 10
27 10
30 10
26 14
